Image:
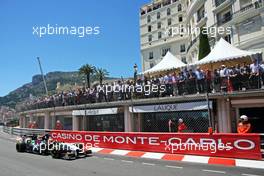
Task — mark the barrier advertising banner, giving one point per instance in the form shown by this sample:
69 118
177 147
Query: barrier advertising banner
223 145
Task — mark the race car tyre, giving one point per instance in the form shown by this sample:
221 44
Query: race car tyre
55 154
21 147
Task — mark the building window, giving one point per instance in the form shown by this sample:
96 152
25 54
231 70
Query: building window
224 17
179 7
180 18
169 21
150 38
151 65
184 60
158 15
159 25
182 48
150 55
159 35
149 18
149 28
164 51
228 38
168 11
200 14
170 32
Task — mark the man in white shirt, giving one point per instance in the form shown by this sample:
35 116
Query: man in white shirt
223 77
254 78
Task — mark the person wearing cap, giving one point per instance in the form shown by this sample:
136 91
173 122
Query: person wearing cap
181 126
59 125
243 125
30 124
34 125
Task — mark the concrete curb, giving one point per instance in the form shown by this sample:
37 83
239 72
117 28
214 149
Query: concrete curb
256 164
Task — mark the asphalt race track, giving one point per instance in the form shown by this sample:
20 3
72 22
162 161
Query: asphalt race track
24 164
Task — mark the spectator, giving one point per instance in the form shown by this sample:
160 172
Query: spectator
181 126
208 82
58 125
171 125
254 75
243 125
223 78
34 125
200 79
181 83
191 82
30 124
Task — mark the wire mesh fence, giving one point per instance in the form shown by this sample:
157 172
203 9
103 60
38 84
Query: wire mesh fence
195 121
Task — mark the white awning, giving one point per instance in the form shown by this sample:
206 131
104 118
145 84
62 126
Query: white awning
95 112
168 62
224 51
190 106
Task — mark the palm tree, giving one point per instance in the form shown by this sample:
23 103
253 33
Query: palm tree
101 74
87 70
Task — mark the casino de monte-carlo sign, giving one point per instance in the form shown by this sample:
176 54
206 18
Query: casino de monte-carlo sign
189 106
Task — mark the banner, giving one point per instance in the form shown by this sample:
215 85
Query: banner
190 106
223 145
90 112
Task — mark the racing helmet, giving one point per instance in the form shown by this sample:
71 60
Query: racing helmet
244 117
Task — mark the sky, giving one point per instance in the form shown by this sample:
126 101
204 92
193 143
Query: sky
116 48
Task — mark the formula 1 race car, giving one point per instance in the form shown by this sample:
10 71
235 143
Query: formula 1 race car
43 145
33 144
69 151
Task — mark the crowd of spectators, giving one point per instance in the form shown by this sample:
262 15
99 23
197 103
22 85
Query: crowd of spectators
188 81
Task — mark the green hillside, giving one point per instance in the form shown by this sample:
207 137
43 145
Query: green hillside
36 87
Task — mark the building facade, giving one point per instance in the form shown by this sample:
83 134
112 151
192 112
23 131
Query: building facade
243 21
156 21
244 18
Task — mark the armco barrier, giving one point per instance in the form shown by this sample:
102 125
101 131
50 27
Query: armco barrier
115 140
244 146
262 144
23 131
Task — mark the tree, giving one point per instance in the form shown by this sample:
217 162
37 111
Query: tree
204 47
101 74
87 70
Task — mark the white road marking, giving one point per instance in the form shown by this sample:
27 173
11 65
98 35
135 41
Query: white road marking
96 149
110 159
148 164
214 171
196 159
127 161
250 163
120 152
174 167
152 155
250 175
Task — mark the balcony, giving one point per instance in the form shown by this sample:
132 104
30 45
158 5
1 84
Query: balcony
219 2
192 43
200 17
166 2
224 20
193 7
